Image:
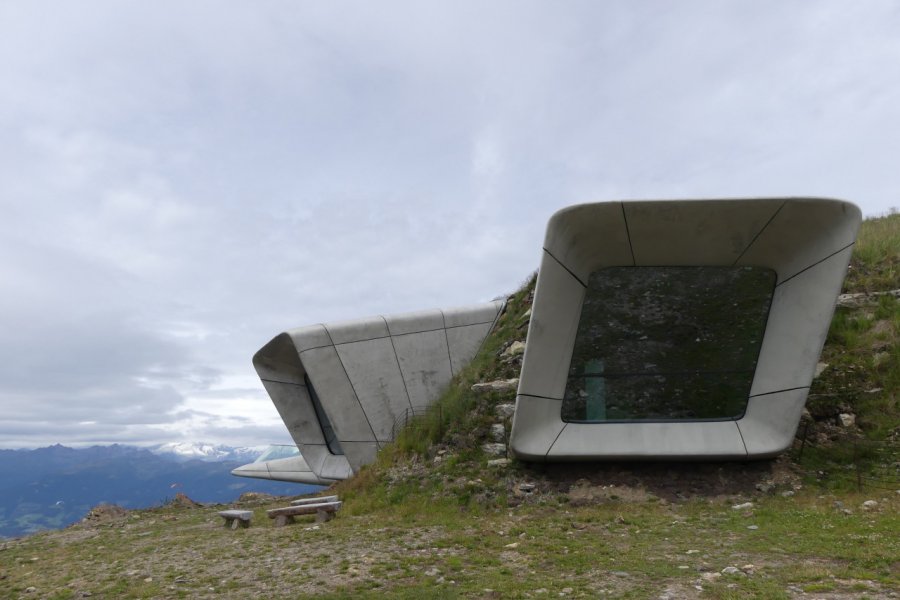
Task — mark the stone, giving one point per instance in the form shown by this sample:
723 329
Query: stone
512 545
505 411
732 571
743 506
869 504
820 368
515 349
846 419
498 432
499 385
499 462
753 527
788 493
494 449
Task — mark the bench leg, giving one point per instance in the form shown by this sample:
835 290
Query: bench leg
229 522
323 516
235 523
282 520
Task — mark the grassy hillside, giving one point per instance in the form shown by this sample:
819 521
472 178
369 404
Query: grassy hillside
438 516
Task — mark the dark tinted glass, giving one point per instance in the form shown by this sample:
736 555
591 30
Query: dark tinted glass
667 343
334 446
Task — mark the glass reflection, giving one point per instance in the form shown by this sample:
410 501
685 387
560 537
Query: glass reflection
667 343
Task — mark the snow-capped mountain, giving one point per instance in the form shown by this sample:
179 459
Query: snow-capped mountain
207 452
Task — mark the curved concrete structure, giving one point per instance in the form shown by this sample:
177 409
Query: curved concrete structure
293 469
281 463
789 254
341 387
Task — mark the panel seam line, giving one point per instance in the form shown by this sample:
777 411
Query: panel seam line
628 235
347 375
818 262
399 370
759 233
568 270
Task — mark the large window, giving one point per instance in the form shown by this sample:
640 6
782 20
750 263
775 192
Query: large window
667 343
334 446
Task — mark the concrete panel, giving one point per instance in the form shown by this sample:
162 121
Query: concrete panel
375 375
804 232
423 320
710 439
798 324
296 410
279 361
360 454
551 333
771 421
464 343
306 338
425 365
293 469
587 237
536 425
712 232
357 330
471 315
337 396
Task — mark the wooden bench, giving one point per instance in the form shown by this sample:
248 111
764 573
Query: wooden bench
314 500
324 511
235 518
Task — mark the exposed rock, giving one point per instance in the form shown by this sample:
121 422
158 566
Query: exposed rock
500 385
499 462
856 300
847 419
498 432
505 411
183 501
732 571
515 349
494 449
743 506
103 513
869 504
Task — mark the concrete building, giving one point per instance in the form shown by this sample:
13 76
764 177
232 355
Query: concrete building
341 388
678 329
659 329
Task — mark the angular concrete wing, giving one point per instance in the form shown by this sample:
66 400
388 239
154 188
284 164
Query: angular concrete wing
679 329
341 388
293 469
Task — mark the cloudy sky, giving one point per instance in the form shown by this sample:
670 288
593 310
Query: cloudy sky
180 181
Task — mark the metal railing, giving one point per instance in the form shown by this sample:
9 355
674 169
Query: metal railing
418 413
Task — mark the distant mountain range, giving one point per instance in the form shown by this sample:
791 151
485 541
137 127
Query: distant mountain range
207 452
53 487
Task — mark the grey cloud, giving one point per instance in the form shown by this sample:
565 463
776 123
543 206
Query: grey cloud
179 183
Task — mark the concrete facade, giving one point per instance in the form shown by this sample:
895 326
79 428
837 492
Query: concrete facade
340 388
806 242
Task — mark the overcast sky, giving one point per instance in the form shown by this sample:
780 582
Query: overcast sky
181 181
